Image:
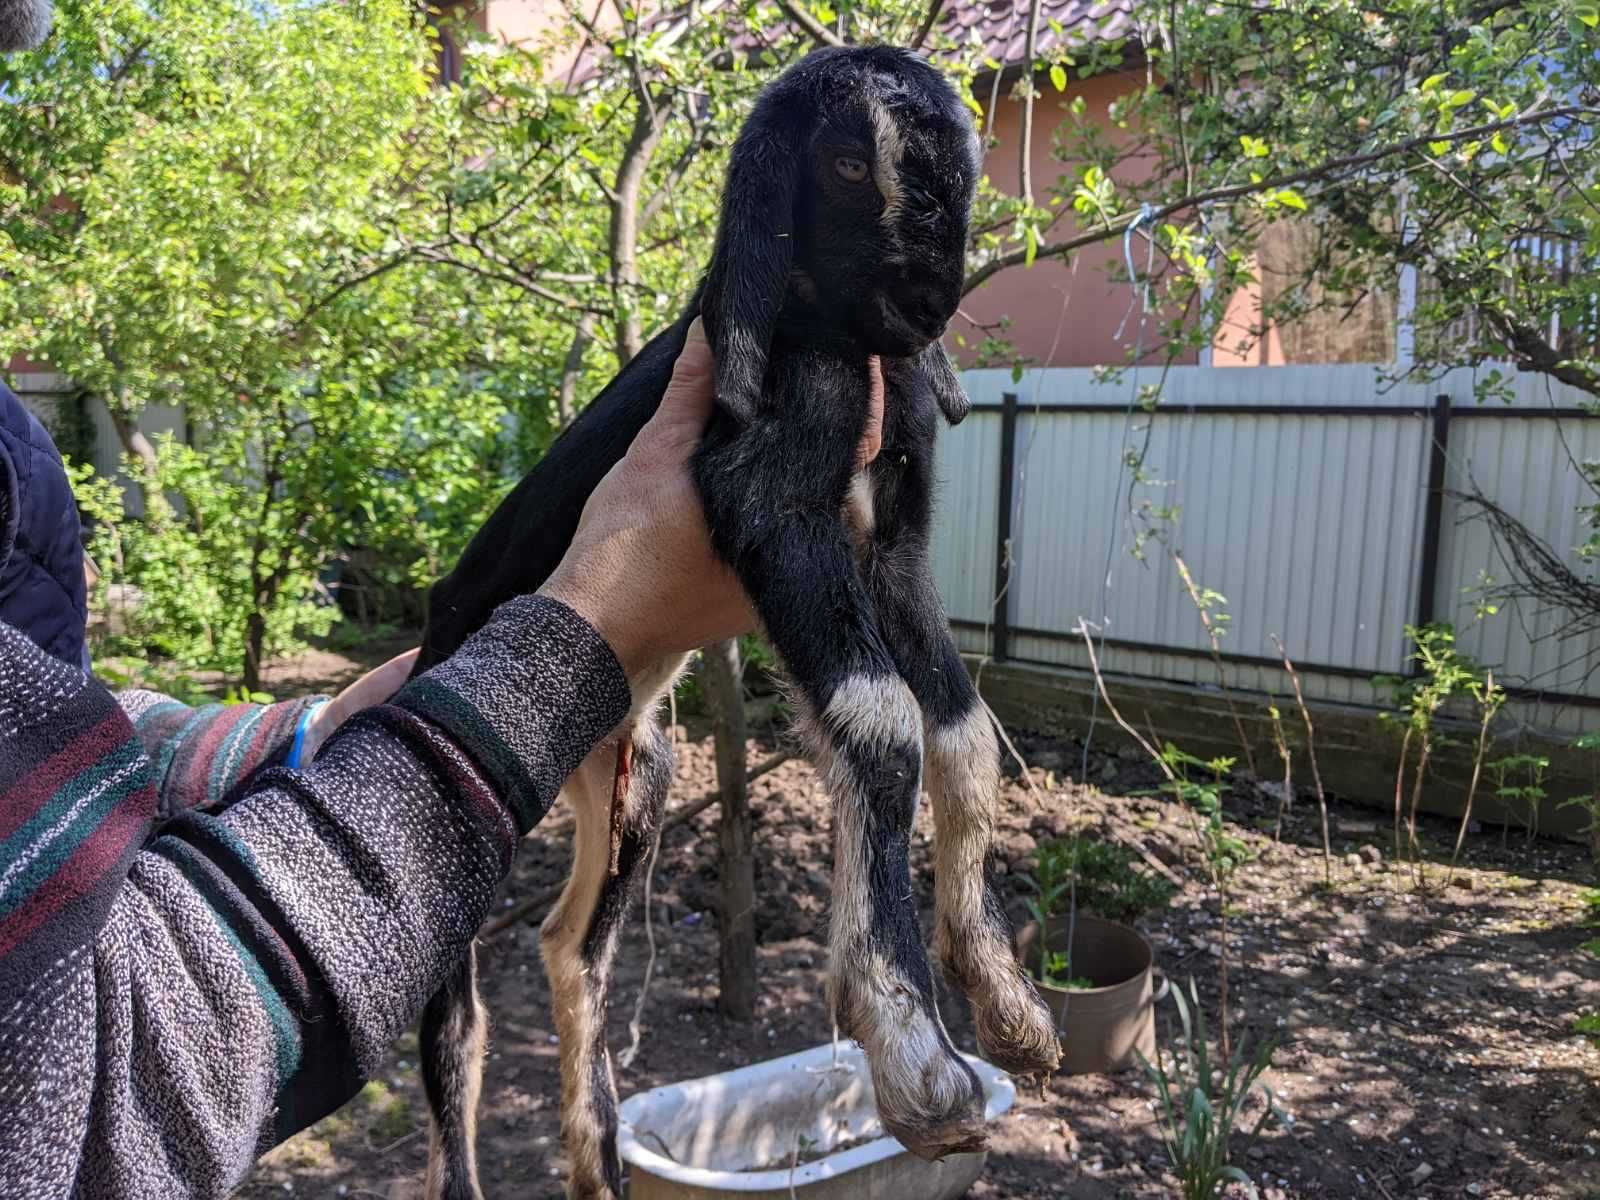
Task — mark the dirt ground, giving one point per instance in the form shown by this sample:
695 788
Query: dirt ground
1425 1045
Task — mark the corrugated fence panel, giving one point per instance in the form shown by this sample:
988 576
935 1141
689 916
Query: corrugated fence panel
1307 525
1310 522
1525 467
963 546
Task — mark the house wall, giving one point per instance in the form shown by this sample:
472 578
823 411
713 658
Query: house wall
1063 314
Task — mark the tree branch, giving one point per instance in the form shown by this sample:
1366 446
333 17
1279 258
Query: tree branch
935 9
814 29
1115 225
1030 43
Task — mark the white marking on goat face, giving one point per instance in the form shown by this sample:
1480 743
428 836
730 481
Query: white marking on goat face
888 149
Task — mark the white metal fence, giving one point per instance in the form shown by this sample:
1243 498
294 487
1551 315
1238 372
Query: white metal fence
1313 498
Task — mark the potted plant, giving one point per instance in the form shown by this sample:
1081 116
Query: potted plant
1095 972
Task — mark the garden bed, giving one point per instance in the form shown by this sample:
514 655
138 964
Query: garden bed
1427 1046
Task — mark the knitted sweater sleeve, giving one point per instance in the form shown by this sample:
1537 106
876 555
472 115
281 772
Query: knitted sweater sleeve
201 756
258 962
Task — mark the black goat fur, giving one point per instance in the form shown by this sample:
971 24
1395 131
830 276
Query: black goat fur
843 232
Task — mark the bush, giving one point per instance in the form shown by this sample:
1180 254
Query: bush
1108 884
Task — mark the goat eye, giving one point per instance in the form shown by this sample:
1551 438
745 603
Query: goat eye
851 170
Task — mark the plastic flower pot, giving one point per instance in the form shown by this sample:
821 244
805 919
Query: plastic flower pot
801 1126
1106 1027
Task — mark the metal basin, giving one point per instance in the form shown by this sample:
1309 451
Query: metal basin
736 1134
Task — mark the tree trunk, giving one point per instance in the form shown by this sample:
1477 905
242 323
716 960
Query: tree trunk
624 238
572 370
737 925
255 637
137 447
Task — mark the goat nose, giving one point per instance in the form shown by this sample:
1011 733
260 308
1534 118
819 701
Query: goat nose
926 303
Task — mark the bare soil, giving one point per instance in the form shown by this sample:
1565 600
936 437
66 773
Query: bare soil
1425 1045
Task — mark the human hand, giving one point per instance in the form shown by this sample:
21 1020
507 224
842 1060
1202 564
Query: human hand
376 686
641 569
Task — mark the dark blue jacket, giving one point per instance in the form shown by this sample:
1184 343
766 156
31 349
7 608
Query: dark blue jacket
41 544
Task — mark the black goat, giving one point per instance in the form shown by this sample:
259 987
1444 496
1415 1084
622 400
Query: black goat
843 230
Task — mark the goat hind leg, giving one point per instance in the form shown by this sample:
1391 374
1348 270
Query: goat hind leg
972 933
579 940
453 1033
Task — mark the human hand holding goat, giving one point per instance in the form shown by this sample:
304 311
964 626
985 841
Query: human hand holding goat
842 238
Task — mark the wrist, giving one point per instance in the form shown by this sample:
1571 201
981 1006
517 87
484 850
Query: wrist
615 628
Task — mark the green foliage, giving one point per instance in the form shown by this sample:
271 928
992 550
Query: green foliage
1588 1026
205 207
1198 785
1443 673
1055 970
1108 884
1306 161
1519 781
1588 802
1200 1104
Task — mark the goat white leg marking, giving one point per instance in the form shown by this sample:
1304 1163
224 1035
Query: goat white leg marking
926 1095
973 941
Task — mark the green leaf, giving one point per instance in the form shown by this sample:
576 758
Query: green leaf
1431 82
1058 76
1588 11
1253 147
1290 198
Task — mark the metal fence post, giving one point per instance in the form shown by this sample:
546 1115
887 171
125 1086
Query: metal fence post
1002 556
1433 513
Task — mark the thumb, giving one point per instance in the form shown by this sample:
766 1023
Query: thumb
690 396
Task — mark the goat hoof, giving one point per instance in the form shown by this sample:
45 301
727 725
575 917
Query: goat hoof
931 1102
964 1135
1017 1031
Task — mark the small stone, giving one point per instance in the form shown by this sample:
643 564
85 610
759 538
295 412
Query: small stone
1420 1174
1370 854
1353 861
1474 1189
1467 883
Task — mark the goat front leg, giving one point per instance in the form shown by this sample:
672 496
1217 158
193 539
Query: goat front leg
972 932
797 564
454 1028
618 806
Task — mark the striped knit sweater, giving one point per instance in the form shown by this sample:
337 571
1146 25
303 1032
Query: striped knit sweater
202 952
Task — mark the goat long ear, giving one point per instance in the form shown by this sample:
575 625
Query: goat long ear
946 384
750 271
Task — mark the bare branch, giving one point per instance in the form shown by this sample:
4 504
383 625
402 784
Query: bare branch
814 29
935 10
1025 142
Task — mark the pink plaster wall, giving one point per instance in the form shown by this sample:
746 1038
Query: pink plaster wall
1063 314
